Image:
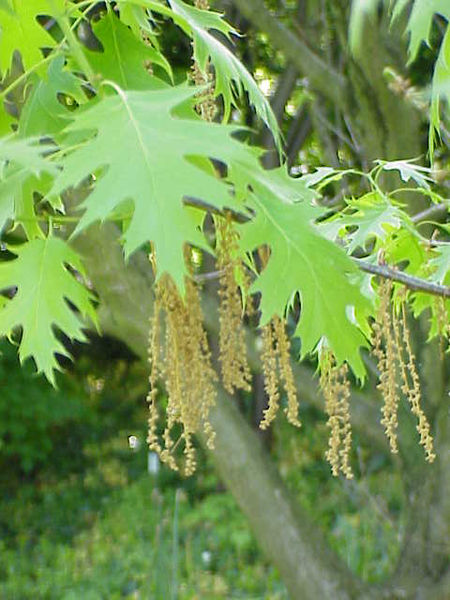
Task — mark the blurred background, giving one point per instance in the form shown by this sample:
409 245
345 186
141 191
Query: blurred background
86 512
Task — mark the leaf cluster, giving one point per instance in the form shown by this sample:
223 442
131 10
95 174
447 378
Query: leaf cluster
107 118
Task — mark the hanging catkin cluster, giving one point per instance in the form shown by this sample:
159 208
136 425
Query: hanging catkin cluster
180 357
335 387
396 363
232 347
276 364
386 352
277 372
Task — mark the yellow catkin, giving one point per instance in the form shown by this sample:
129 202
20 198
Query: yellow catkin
335 387
187 372
201 373
386 352
411 389
276 361
182 359
284 360
232 347
346 429
269 365
153 358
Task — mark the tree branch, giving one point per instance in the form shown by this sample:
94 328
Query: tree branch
323 78
413 283
435 211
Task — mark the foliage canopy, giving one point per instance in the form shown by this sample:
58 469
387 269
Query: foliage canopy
111 122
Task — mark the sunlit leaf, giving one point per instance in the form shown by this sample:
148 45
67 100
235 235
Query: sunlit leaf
124 57
21 31
142 150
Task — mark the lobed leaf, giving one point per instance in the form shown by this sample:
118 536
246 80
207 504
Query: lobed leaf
44 288
21 31
371 216
141 153
420 21
419 29
23 170
43 113
124 55
231 77
302 261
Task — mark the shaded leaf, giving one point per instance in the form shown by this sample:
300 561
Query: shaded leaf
440 88
408 170
420 21
44 287
43 113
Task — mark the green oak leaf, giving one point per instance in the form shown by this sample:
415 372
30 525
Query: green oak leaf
140 150
408 170
44 288
419 29
23 170
229 71
124 56
230 74
137 18
26 153
407 247
420 20
440 87
17 200
441 264
303 261
364 218
19 30
43 113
